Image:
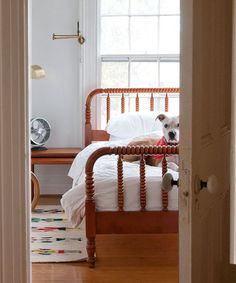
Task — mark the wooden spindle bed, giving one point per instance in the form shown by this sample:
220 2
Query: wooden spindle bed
125 222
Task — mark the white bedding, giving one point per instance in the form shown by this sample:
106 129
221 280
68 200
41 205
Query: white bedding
105 176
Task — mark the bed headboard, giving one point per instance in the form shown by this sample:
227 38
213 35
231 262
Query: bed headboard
101 135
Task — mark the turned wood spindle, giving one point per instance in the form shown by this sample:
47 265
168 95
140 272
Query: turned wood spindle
91 250
120 183
164 195
137 103
123 103
89 181
142 183
108 107
151 102
166 103
90 217
88 114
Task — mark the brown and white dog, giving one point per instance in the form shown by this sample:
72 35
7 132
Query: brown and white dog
170 128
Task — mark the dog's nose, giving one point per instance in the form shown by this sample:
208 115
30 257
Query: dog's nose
172 135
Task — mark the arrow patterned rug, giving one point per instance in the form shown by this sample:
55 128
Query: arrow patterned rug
52 237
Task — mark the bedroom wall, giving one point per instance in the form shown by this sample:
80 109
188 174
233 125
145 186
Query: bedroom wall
57 97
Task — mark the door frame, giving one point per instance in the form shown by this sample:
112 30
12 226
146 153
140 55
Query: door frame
20 51
14 146
233 151
186 38
14 143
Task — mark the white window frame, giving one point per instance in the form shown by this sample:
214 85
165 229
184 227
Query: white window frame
137 58
91 60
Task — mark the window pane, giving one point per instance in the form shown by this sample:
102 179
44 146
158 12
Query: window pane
169 7
114 35
169 74
115 108
144 74
169 34
143 35
174 105
143 6
159 104
119 7
114 74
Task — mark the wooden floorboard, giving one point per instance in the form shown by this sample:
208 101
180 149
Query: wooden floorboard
121 259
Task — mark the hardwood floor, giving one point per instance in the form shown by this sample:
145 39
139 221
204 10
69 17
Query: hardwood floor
121 258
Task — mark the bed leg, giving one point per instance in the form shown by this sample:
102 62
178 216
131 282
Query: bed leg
91 248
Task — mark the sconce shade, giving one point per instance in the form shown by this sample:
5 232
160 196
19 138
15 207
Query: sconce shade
37 72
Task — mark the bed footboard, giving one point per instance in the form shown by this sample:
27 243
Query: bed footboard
127 222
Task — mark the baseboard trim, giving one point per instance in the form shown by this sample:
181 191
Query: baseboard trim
51 196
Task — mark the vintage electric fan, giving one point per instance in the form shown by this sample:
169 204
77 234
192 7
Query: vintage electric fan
40 133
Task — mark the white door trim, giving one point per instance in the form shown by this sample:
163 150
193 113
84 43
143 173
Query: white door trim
185 255
14 146
88 53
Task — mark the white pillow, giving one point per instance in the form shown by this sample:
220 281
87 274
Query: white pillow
153 135
131 125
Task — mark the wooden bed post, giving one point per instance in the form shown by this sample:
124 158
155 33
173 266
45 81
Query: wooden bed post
90 207
88 125
90 218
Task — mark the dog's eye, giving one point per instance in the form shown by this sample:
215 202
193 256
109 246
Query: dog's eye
166 126
177 125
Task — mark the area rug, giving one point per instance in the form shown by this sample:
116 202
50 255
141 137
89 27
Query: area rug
53 239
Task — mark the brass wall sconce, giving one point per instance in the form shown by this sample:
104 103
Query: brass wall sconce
79 36
37 72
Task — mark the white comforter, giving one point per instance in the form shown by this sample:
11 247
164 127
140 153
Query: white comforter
105 176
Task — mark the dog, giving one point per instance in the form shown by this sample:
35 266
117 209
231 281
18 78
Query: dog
170 129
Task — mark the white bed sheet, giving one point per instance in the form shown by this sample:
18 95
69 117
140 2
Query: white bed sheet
105 176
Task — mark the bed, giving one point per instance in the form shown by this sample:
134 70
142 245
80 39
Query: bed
116 196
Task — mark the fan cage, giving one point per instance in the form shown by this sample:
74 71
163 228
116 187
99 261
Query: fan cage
46 127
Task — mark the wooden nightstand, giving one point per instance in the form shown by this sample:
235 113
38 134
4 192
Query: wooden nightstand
51 156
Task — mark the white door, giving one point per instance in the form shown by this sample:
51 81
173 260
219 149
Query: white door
206 38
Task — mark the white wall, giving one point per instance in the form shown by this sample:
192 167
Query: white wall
56 97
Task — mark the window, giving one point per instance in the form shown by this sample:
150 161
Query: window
138 46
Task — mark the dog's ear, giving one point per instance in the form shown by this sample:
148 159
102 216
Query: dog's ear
161 117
